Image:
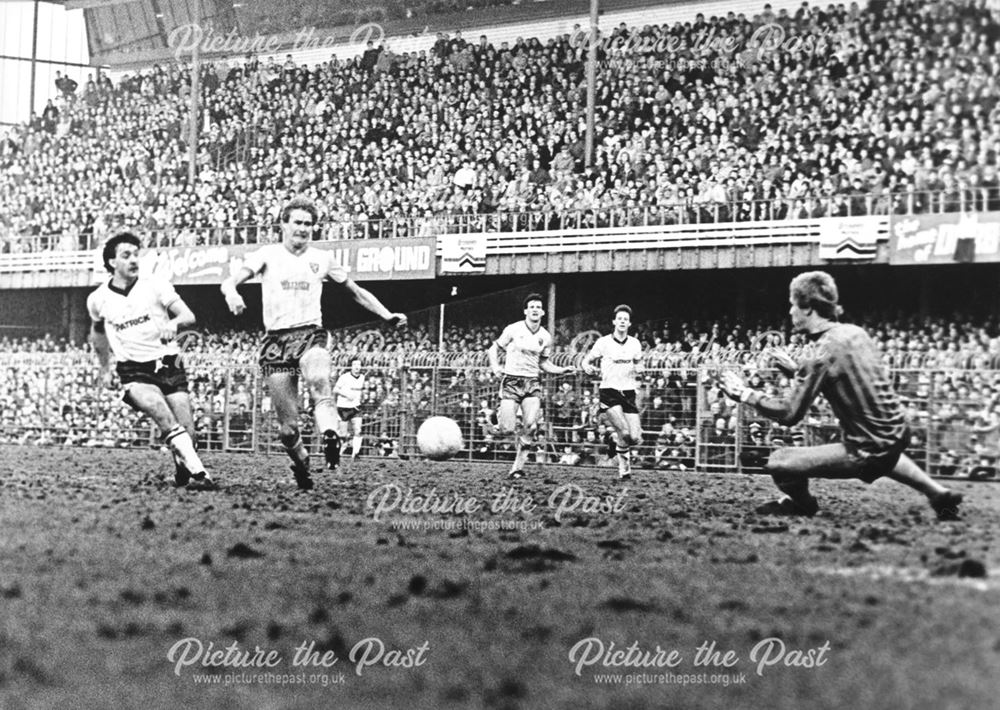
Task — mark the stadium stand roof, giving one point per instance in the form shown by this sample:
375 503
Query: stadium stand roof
127 32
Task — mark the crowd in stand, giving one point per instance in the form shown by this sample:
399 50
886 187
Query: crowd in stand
947 373
871 112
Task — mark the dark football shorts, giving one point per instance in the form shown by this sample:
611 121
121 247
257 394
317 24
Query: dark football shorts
166 373
282 349
874 465
346 414
517 388
619 398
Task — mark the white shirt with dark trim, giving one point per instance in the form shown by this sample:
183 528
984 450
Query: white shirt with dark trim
349 389
292 285
133 318
525 349
618 360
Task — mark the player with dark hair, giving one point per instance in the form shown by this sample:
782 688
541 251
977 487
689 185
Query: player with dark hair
620 358
292 275
844 365
527 346
137 319
348 389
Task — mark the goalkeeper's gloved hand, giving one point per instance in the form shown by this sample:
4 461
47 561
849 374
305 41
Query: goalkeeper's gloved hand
734 387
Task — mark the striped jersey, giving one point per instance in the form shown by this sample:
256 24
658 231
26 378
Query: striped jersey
292 285
525 349
847 369
618 361
349 389
133 318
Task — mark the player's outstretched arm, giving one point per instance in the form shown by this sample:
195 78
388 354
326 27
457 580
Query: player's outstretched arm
102 348
98 336
494 356
589 359
546 366
233 298
181 317
782 360
367 299
788 411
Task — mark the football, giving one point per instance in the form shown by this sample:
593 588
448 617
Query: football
439 438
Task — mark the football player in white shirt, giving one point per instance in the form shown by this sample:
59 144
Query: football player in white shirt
621 362
292 275
527 346
137 320
348 390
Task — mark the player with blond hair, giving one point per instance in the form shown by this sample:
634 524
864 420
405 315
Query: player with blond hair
292 275
844 365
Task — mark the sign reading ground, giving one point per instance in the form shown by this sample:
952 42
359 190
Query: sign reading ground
463 253
385 259
945 238
370 260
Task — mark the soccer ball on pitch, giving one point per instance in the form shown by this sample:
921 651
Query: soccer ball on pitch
439 438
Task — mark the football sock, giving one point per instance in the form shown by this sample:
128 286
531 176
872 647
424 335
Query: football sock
295 449
356 442
521 453
182 447
624 459
326 415
331 448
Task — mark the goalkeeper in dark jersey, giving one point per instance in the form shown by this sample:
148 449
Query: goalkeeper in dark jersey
844 366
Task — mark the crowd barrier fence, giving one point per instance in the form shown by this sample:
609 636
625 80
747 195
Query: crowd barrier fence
58 400
689 211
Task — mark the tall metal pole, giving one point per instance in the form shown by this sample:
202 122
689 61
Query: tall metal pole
34 60
591 79
551 307
195 90
441 328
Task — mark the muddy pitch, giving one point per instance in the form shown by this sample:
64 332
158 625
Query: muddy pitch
570 590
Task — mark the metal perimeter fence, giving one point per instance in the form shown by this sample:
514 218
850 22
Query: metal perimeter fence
688 424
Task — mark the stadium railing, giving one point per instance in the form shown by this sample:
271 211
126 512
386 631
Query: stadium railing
688 212
687 423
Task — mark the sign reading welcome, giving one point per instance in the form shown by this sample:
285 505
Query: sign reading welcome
945 238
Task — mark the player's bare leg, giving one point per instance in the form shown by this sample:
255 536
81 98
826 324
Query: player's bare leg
357 439
507 426
180 406
628 430
531 409
315 365
344 432
149 400
284 389
945 502
792 467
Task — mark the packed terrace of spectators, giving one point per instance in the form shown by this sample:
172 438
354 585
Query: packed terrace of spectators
898 114
947 374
